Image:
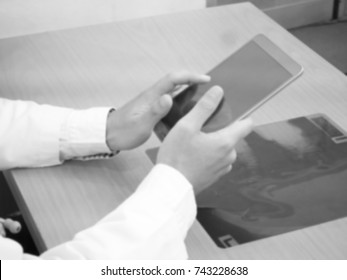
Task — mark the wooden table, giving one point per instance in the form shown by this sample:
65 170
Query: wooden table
111 63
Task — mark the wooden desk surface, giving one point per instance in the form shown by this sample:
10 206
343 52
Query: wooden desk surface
109 64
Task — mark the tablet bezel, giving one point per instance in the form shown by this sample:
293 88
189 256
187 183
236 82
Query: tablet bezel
282 58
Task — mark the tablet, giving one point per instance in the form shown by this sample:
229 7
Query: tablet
249 77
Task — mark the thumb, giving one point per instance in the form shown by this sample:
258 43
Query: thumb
204 108
161 107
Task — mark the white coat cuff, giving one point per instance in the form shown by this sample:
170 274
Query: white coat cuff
84 134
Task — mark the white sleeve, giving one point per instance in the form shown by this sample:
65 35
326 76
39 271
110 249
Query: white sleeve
150 224
29 134
83 135
10 249
33 135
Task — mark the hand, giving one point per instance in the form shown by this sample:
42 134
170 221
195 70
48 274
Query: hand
202 157
131 125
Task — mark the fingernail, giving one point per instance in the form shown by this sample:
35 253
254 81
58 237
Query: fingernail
164 100
216 92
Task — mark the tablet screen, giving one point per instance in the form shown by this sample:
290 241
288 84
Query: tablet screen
248 77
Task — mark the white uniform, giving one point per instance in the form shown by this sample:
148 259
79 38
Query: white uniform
150 224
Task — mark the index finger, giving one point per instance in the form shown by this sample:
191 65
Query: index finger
236 131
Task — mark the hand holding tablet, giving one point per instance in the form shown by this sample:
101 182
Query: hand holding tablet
249 77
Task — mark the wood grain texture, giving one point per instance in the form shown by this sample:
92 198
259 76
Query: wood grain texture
111 63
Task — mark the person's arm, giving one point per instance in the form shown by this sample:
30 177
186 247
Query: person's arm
33 135
150 224
28 135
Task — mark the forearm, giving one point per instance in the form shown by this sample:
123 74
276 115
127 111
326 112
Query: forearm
33 135
28 135
151 224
